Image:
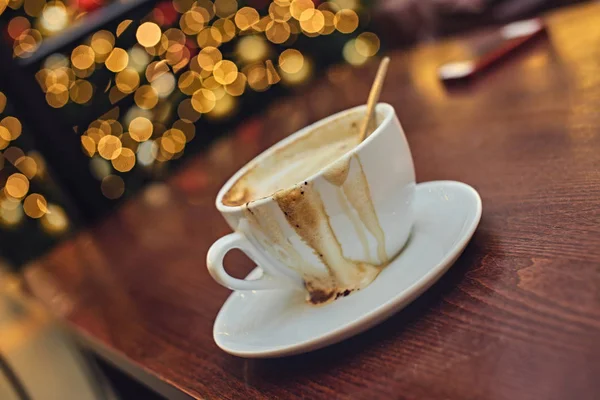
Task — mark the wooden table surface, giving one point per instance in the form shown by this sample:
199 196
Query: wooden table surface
517 316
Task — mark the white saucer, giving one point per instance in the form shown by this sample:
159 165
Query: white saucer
275 323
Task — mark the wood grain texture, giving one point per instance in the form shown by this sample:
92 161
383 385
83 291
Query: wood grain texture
517 316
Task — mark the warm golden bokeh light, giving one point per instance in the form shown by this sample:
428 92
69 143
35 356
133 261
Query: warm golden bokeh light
257 77
251 49
328 24
186 111
27 166
13 126
351 55
209 36
109 147
246 18
226 28
277 32
189 82
82 57
367 44
140 129
208 5
208 57
224 107
272 75
13 153
146 97
17 186
125 161
188 129
27 43
117 60
156 69
203 100
194 20
237 87
291 61
299 77
297 7
81 91
225 8
279 13
55 220
5 136
102 43
225 72
312 21
10 217
127 80
2 102
88 145
123 25
182 6
173 141
57 95
148 34
35 206
346 21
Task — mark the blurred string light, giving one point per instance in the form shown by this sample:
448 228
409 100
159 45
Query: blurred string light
16 200
175 68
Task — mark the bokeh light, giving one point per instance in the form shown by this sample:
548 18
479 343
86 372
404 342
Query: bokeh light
81 91
246 18
35 206
346 21
13 127
146 97
102 44
291 61
82 57
208 57
203 100
251 49
148 34
112 186
124 161
55 220
27 166
140 129
54 17
278 32
225 72
127 80
351 54
109 147
17 186
367 44
117 60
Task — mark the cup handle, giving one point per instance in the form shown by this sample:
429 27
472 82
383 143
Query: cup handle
236 240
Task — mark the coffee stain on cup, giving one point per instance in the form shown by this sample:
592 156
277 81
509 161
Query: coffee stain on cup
356 222
304 210
357 190
279 247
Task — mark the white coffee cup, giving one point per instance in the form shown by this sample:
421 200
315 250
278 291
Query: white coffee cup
333 232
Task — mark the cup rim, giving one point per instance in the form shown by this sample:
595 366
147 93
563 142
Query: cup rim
388 112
